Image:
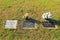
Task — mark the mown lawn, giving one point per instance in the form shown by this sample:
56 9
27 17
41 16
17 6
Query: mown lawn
15 9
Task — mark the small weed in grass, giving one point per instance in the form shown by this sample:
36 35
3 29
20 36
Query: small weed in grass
6 8
57 34
18 34
20 10
29 10
27 36
9 6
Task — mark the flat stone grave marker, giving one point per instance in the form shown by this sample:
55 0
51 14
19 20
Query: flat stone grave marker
28 24
11 24
49 24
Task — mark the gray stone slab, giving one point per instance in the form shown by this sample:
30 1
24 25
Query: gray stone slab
28 24
48 24
11 24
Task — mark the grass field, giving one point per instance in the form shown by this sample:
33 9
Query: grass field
15 9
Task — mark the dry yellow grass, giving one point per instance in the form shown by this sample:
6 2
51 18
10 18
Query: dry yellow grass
15 9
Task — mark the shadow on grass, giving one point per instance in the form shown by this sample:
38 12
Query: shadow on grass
33 20
57 22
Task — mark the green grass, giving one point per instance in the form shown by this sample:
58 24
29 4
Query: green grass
15 9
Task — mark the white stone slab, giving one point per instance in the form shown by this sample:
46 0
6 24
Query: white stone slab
11 24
